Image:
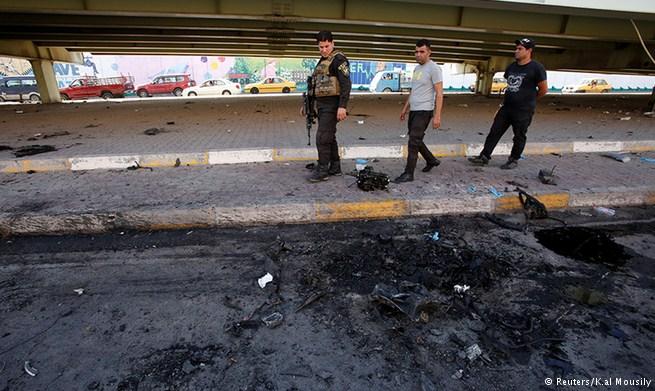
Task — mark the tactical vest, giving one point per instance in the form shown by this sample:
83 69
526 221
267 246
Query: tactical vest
325 84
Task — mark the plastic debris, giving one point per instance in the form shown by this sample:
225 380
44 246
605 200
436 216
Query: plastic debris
458 374
360 164
647 159
547 177
461 288
473 352
265 279
495 192
29 369
361 122
273 320
605 211
471 189
435 236
625 118
411 299
79 291
19 111
403 135
618 156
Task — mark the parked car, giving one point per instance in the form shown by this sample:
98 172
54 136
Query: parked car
165 84
271 84
105 87
391 81
588 85
498 86
213 87
19 88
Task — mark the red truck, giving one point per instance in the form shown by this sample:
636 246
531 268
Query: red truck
106 87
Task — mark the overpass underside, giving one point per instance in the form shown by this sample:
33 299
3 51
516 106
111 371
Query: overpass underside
479 33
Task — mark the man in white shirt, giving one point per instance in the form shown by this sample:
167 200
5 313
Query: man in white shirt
424 106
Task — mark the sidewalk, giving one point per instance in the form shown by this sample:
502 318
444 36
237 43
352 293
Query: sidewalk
277 192
242 129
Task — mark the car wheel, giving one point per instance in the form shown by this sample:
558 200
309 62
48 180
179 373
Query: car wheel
226 92
65 97
35 98
286 90
254 90
503 91
142 93
192 94
106 95
387 90
604 91
177 92
2 99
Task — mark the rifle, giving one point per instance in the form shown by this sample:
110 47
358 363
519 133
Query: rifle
308 105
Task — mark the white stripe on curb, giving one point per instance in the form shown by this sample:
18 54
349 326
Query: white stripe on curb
102 162
381 152
241 156
597 146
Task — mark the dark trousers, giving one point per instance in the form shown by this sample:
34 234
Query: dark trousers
326 136
519 120
417 124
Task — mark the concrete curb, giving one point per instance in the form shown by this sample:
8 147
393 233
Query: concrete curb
108 162
214 216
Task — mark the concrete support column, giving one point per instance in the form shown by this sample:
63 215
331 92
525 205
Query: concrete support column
484 84
651 102
46 81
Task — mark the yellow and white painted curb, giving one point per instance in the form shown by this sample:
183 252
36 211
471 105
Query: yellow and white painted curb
313 212
236 156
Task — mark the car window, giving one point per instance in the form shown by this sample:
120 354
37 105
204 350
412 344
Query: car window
278 80
179 78
219 83
206 84
12 83
158 80
29 82
76 83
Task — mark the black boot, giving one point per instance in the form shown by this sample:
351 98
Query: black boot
335 168
429 166
404 177
319 174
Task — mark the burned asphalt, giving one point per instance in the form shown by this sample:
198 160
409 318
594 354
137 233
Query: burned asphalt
452 302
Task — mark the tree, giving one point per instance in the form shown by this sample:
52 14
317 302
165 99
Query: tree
309 63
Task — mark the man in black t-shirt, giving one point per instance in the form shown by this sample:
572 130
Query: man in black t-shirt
526 81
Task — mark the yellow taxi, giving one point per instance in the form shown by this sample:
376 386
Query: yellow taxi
271 84
588 85
498 85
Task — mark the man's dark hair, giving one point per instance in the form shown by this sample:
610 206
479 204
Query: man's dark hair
423 42
324 36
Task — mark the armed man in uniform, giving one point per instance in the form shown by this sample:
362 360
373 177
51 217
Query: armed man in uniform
331 89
